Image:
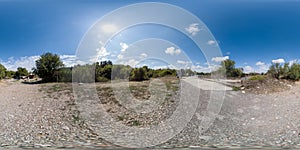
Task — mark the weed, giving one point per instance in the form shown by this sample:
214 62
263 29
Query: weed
236 88
257 78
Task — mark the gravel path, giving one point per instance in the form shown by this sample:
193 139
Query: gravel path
31 118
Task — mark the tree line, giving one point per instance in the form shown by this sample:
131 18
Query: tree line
4 73
50 68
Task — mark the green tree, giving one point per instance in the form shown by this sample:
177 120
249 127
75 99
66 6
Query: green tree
10 74
2 71
84 74
64 74
138 74
103 71
294 72
21 72
47 65
228 66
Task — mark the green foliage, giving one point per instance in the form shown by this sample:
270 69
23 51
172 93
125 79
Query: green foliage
228 66
21 72
120 72
84 73
257 78
47 65
161 73
104 69
294 72
285 72
2 71
101 79
236 88
10 74
64 74
138 74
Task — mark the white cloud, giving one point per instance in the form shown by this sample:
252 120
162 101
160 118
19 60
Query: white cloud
219 59
28 62
193 29
101 54
200 68
280 60
131 62
109 28
291 62
259 63
120 56
69 60
183 62
160 67
212 43
144 55
262 67
124 47
248 69
172 51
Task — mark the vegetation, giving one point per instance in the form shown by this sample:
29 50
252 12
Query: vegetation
286 71
21 72
228 67
47 66
2 71
50 68
257 78
10 74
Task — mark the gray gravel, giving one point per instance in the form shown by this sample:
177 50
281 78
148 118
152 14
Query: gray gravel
32 118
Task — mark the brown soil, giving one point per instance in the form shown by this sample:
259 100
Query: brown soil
266 86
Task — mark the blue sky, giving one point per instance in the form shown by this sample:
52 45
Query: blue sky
252 32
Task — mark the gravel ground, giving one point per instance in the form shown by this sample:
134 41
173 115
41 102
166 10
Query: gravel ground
46 115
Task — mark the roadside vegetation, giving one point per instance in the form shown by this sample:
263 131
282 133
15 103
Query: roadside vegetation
51 69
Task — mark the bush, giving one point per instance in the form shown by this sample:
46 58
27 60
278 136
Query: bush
138 74
101 79
285 72
2 71
295 72
21 72
64 74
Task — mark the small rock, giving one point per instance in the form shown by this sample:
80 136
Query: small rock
65 128
252 118
205 138
243 92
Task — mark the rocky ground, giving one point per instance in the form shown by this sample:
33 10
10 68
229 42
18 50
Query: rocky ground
266 85
47 115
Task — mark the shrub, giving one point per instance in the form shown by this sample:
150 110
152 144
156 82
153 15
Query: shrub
138 74
257 78
294 72
101 79
2 71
